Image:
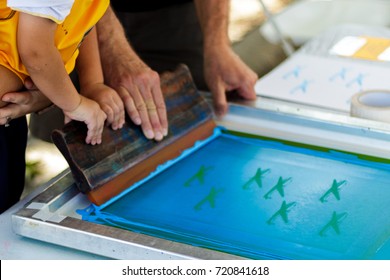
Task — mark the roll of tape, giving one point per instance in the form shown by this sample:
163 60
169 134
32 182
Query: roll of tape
372 105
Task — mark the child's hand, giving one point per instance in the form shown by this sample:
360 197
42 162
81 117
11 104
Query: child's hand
109 101
92 115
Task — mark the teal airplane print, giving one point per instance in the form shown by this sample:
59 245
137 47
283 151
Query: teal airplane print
278 187
334 189
282 212
334 223
198 175
210 198
258 178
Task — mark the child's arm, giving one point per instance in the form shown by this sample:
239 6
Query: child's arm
92 85
46 68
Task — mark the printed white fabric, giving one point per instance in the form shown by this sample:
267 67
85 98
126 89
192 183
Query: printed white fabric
56 10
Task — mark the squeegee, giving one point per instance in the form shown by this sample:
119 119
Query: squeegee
126 155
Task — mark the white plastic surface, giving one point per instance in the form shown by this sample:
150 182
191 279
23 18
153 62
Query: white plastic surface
303 20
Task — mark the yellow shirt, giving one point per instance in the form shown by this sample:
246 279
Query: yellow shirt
83 15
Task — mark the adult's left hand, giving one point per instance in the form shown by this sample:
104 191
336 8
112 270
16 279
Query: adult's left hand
22 103
225 71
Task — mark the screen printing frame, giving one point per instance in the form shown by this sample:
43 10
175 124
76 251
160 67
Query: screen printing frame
51 217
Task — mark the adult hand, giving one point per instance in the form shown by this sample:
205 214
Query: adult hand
140 90
23 102
137 84
225 71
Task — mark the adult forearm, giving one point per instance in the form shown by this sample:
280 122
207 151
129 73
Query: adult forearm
113 45
223 69
136 83
214 19
111 36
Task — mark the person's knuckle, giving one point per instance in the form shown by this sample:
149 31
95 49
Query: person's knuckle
141 106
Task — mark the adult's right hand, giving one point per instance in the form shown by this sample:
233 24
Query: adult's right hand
22 103
136 83
140 90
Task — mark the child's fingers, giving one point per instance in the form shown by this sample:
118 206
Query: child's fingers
118 111
110 114
94 135
115 116
95 129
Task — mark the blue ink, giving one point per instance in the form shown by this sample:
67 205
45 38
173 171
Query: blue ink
295 72
166 165
226 219
301 87
358 80
116 166
341 74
